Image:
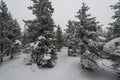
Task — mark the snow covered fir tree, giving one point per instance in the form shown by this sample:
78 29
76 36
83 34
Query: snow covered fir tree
41 31
10 32
87 33
59 38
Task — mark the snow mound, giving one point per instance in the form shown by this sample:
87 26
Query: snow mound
105 64
110 46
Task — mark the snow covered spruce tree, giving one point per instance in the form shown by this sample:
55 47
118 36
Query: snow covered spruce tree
41 31
9 29
88 39
115 26
59 38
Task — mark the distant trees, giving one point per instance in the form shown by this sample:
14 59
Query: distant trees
9 28
70 31
41 31
59 38
72 39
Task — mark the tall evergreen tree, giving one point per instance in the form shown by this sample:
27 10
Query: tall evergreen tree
87 33
59 38
41 29
115 26
9 28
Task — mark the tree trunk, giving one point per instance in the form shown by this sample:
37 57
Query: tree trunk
8 52
1 60
1 51
11 52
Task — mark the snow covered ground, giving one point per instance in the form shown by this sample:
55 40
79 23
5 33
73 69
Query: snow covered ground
67 68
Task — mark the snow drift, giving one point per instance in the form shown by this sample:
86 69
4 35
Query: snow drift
110 46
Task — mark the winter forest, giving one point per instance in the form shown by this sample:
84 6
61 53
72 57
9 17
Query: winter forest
84 50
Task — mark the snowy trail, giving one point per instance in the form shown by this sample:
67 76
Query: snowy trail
67 68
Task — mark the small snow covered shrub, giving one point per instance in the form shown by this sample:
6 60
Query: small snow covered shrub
44 53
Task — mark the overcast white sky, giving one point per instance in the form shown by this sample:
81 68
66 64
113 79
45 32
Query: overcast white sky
64 10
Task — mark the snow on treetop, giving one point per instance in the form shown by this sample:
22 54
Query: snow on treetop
41 37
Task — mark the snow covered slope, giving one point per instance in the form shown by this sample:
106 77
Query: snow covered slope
67 68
